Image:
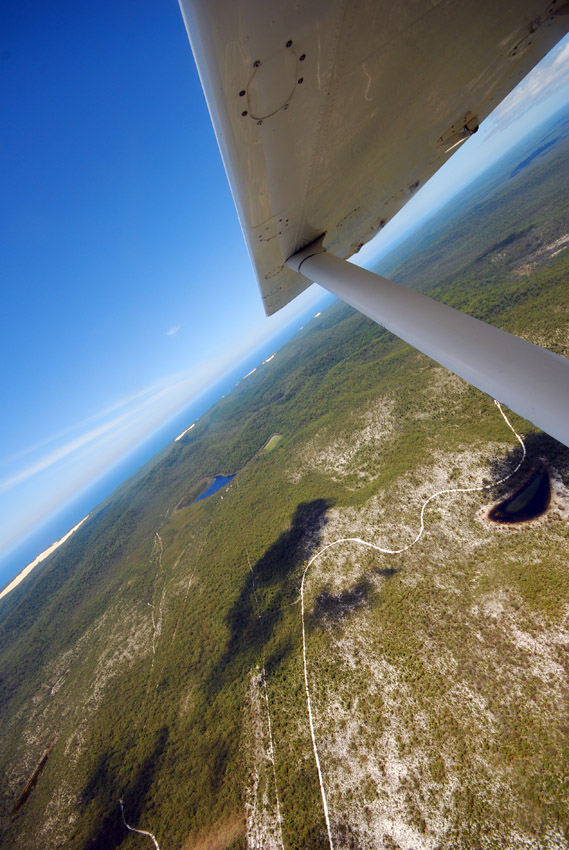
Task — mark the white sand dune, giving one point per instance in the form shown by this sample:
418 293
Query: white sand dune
179 437
27 570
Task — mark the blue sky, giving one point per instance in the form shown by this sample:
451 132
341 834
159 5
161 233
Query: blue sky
126 283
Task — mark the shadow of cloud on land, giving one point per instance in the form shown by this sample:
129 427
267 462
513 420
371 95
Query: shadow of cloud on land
334 608
386 572
540 449
104 790
268 588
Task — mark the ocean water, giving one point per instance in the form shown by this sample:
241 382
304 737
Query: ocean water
60 523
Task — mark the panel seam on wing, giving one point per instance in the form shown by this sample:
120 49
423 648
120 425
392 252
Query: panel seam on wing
322 110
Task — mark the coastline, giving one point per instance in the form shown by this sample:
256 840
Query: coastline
45 554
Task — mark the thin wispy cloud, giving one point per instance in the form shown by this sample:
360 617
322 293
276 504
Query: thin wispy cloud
547 79
120 404
148 402
49 476
173 330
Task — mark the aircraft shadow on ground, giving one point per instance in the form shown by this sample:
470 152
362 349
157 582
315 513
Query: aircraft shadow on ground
271 586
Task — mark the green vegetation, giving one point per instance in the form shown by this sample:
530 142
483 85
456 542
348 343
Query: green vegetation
439 677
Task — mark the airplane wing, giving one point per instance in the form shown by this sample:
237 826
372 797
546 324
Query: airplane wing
330 114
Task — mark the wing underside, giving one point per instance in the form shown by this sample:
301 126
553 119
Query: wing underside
331 114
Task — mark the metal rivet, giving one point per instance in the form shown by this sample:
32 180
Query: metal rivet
302 58
301 80
256 63
289 43
244 113
259 123
242 93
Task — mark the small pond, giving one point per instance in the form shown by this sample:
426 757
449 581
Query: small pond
218 482
528 502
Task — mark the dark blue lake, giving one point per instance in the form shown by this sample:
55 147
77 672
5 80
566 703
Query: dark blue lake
218 482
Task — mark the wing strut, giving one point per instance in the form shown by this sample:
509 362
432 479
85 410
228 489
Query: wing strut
530 380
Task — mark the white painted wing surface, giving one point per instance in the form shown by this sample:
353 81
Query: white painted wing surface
330 114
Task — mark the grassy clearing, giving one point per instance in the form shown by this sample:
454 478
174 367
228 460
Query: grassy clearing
273 442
